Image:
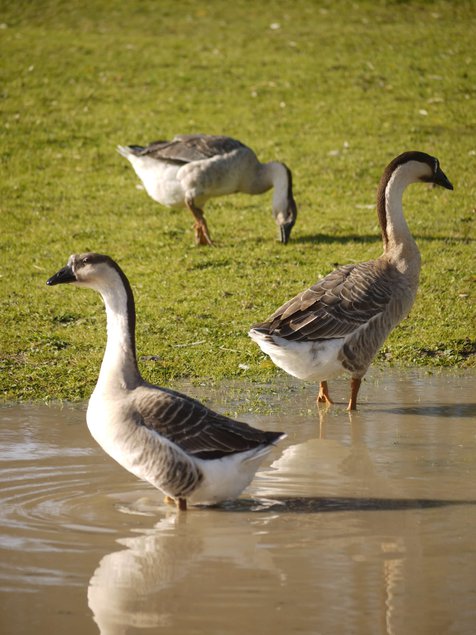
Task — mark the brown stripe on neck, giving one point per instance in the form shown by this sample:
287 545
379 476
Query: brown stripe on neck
131 310
381 203
290 182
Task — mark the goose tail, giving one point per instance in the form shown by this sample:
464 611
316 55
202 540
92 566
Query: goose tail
261 451
261 335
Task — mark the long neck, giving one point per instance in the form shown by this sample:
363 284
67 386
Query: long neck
119 365
398 243
268 175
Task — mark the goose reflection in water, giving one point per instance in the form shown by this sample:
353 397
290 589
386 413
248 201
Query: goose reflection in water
143 585
215 563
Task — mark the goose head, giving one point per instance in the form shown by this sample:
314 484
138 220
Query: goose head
436 176
91 270
102 274
417 166
285 210
406 168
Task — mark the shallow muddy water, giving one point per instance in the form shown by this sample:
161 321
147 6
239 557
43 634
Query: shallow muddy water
356 524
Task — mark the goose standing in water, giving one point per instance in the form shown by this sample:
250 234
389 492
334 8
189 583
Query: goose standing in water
164 437
190 169
340 323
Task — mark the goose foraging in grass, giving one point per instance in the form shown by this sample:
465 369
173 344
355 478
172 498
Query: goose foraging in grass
164 437
191 169
340 323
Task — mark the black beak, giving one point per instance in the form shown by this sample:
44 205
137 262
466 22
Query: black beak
285 232
63 276
440 178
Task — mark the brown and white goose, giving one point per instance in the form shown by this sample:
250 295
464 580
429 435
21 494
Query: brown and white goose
340 323
164 437
191 169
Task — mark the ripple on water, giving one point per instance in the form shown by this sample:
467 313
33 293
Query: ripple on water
52 494
396 477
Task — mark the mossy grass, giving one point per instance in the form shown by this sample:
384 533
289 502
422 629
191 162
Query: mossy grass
334 89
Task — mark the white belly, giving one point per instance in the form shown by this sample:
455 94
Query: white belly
105 422
121 439
159 180
316 361
226 478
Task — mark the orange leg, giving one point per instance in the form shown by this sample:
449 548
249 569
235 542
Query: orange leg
323 395
180 502
354 389
202 237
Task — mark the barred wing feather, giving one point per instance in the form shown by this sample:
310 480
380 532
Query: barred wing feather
196 429
337 305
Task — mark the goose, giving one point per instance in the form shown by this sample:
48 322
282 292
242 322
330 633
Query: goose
339 323
191 169
164 437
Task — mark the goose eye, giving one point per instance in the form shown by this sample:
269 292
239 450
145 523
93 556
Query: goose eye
86 259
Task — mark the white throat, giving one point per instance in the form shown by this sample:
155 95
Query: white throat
400 246
119 366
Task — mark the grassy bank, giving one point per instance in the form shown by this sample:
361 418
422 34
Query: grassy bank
334 89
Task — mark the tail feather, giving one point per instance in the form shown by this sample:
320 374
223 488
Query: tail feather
259 334
273 437
261 451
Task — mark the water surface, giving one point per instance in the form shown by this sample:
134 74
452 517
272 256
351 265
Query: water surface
356 524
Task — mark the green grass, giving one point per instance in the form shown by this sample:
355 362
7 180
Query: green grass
334 89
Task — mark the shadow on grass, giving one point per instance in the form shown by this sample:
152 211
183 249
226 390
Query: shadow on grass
367 238
329 239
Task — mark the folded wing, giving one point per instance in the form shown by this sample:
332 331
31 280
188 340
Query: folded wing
196 429
336 306
188 148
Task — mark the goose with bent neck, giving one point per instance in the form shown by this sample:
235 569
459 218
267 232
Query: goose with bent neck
339 324
191 169
164 437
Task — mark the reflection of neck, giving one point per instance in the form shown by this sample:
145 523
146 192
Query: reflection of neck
132 590
119 365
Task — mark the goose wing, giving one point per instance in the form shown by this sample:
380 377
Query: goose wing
188 148
337 305
195 428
